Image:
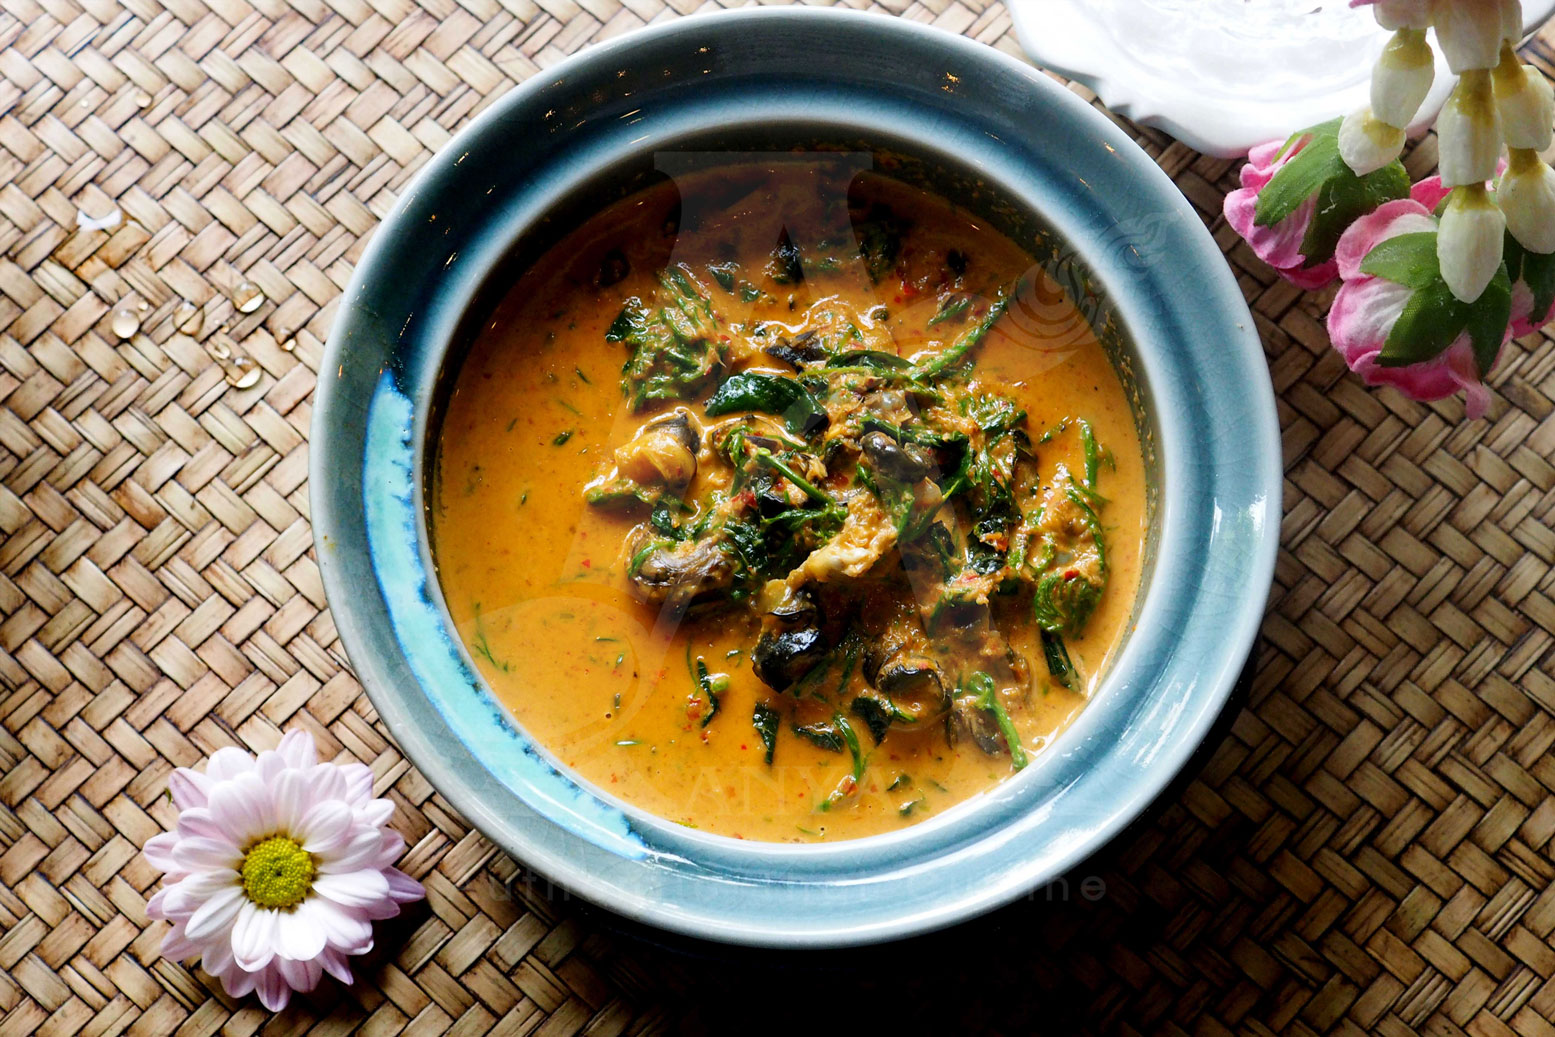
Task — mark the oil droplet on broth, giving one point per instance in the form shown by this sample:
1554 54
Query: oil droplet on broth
242 372
189 318
124 322
247 297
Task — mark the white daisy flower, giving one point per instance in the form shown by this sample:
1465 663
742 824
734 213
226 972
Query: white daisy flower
277 868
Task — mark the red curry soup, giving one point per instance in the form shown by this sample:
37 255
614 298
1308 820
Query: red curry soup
804 515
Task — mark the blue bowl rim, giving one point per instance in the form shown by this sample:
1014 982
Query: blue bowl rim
329 525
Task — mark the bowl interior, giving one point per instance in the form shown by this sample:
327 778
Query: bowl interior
1042 166
903 159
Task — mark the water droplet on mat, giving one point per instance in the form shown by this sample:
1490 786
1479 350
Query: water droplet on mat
242 372
124 322
247 297
189 318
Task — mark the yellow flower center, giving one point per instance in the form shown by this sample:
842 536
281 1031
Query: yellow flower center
277 872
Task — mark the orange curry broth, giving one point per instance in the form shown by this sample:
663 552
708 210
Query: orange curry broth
535 578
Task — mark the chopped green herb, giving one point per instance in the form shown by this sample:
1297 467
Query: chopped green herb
766 720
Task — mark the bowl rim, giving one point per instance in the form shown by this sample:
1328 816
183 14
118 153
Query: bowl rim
443 775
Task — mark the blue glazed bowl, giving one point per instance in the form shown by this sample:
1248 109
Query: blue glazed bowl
1106 218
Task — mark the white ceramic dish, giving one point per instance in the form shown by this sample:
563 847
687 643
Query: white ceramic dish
1221 75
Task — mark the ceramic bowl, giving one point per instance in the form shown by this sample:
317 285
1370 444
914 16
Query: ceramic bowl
1102 215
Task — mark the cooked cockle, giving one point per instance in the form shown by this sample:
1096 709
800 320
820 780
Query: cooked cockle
664 452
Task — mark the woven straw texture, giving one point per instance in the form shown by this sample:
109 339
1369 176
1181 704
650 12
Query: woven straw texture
1365 848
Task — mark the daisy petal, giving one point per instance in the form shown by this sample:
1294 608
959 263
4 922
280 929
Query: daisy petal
298 749
156 906
347 930
234 980
242 808
390 846
334 963
227 763
298 935
177 946
198 822
327 782
272 989
292 798
359 783
270 766
299 975
201 854
188 788
358 853
217 959
376 813
353 889
402 887
215 915
326 829
158 852
253 937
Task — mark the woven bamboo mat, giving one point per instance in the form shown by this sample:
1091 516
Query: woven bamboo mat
1367 847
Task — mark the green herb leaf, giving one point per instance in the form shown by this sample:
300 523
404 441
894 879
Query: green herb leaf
1057 657
628 322
724 274
766 720
769 394
968 341
824 735
870 358
952 308
709 688
988 700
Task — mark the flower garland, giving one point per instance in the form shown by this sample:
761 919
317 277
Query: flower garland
1438 276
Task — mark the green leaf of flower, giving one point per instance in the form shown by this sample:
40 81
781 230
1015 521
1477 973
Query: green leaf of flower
1432 318
1535 270
1408 259
1345 198
1298 179
1488 317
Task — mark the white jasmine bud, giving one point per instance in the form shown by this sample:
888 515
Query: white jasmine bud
1402 77
1468 246
1367 144
1469 31
1527 197
1511 21
1525 102
1470 132
1402 14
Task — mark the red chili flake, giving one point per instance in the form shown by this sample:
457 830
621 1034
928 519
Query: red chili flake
587 564
897 298
1072 574
723 338
744 747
